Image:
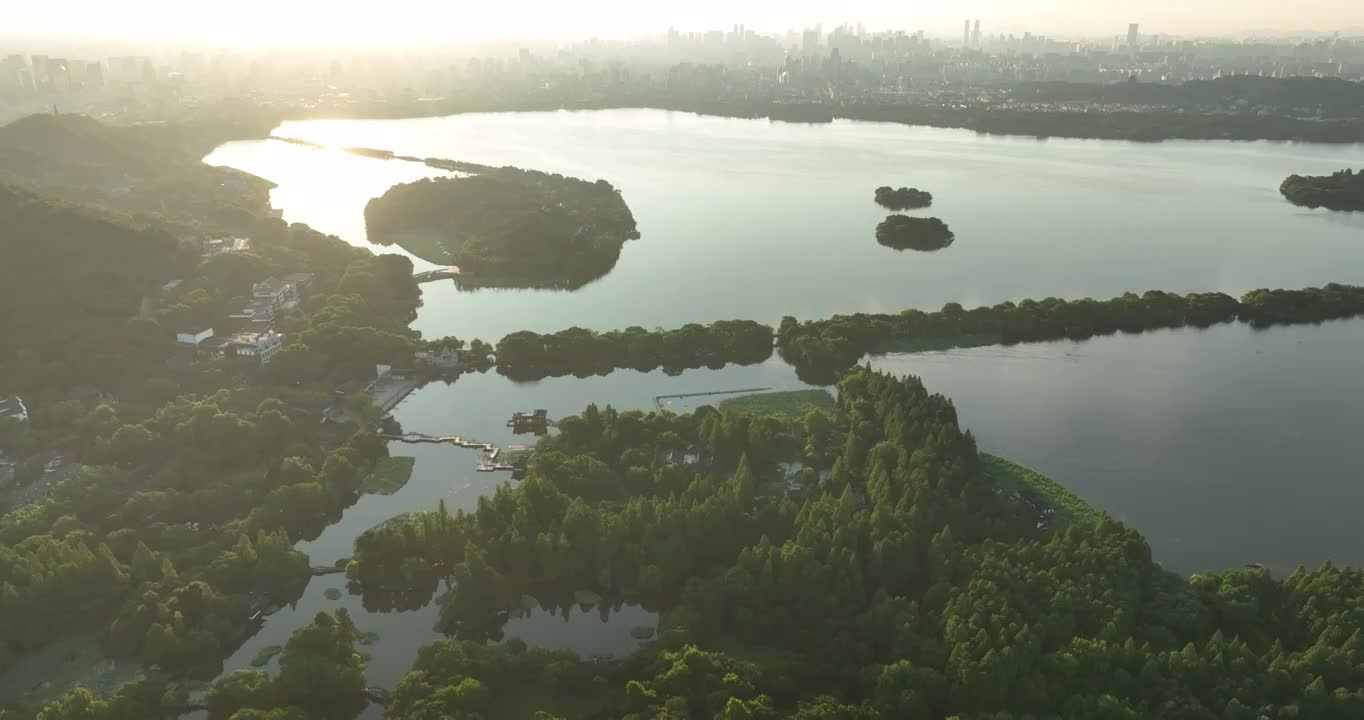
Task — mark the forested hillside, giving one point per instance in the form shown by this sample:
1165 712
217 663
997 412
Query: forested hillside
154 171
73 280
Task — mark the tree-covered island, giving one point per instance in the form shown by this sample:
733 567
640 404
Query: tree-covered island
903 199
912 233
1341 190
508 226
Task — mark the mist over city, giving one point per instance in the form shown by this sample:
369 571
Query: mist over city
994 360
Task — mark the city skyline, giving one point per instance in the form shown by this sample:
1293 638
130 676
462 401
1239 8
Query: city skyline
346 22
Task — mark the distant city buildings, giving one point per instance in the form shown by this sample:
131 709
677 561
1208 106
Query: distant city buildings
873 66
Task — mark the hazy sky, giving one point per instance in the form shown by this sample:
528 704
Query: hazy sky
313 22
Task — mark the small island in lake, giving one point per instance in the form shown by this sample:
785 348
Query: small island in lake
507 226
1343 190
911 233
903 199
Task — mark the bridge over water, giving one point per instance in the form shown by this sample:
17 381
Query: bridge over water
437 274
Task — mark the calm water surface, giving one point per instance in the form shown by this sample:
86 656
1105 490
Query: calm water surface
755 220
1223 446
477 406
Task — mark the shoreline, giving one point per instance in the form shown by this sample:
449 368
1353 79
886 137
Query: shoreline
975 120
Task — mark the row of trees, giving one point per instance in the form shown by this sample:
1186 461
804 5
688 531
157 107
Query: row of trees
820 349
581 352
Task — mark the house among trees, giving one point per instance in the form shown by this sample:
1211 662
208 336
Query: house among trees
282 293
258 346
256 316
445 358
269 297
219 246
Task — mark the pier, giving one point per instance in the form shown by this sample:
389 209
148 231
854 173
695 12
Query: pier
658 400
491 452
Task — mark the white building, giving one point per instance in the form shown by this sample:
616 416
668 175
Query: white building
260 346
446 358
275 293
284 292
194 337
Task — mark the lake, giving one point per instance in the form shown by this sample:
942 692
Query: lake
1223 446
754 220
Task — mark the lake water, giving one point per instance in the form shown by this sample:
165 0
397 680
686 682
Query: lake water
755 220
1223 446
477 407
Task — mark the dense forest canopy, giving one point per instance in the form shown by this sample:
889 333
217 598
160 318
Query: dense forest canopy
196 478
94 301
72 281
508 226
155 171
1342 190
891 580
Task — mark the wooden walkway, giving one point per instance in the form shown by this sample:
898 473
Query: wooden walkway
491 452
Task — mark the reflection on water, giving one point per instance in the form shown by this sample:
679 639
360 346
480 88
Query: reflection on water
1223 446
477 406
754 220
73 661
599 631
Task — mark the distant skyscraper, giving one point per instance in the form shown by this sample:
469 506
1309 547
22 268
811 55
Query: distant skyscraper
966 34
810 41
975 35
1133 35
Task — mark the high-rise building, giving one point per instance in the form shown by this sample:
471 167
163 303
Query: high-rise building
810 41
975 35
966 34
14 75
40 80
1133 36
